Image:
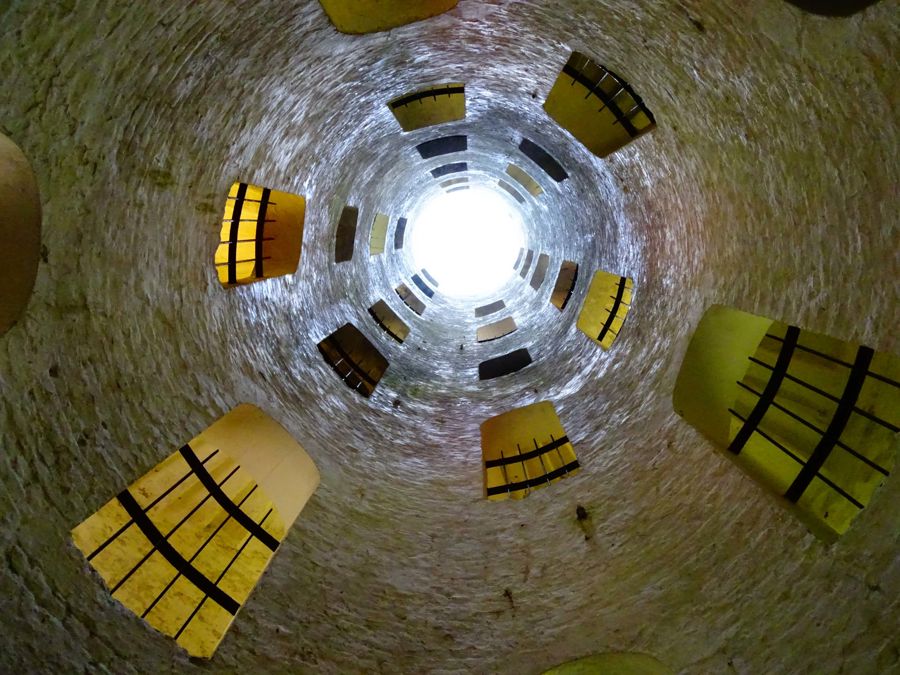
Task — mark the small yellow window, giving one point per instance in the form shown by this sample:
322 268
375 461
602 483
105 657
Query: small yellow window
565 284
378 234
183 546
605 307
523 450
372 16
496 330
262 232
813 418
597 106
525 180
388 320
410 299
429 106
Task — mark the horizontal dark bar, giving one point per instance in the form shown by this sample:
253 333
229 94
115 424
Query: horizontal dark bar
446 169
431 93
533 482
443 146
484 310
417 280
525 456
173 557
223 500
399 233
238 262
504 365
543 159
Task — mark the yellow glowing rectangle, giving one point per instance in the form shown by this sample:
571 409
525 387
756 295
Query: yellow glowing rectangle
378 235
372 16
430 106
524 180
607 303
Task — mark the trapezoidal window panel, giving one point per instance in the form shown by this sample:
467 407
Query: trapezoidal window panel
507 364
399 234
605 307
488 309
529 256
812 418
410 299
431 280
543 159
430 106
597 106
378 235
20 230
519 258
458 189
455 181
540 271
565 284
388 320
345 236
613 663
443 146
373 16
511 190
356 360
422 286
496 330
184 546
523 450
262 232
447 169
522 178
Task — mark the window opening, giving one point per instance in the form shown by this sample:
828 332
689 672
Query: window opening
378 235
184 545
20 229
833 7
388 320
524 450
619 663
430 278
496 330
346 234
443 146
526 181
410 299
519 259
491 308
597 106
527 264
565 284
543 159
511 190
458 189
540 271
455 181
430 106
607 303
812 418
446 169
506 364
372 16
399 233
354 358
417 280
261 234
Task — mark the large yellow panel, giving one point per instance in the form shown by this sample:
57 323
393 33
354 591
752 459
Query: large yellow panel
812 418
372 16
429 106
614 663
597 106
607 303
378 235
184 546
261 234
523 450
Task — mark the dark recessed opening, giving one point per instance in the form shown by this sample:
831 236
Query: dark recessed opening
356 360
443 146
388 320
504 365
543 159
527 264
493 307
346 234
540 271
399 233
446 169
410 299
417 280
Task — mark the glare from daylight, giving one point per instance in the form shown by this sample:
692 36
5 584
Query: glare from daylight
468 241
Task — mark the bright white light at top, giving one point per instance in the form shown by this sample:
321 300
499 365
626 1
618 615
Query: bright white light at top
468 241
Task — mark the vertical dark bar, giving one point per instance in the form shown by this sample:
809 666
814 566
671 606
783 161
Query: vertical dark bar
260 229
235 232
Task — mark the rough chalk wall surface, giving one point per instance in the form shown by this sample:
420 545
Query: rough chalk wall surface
770 185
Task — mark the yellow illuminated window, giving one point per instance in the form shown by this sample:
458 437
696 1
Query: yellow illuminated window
345 236
812 418
389 321
372 16
526 181
262 232
354 358
183 546
496 330
523 450
605 307
540 271
429 106
565 284
612 663
410 299
597 106
378 235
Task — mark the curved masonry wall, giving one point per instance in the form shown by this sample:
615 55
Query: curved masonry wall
768 186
